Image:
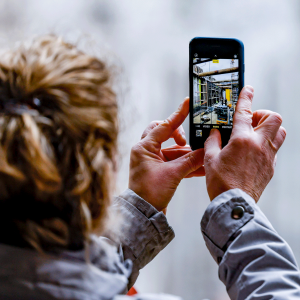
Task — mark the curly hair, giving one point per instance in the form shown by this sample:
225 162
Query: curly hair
58 143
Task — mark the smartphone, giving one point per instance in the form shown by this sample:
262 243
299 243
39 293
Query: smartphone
216 73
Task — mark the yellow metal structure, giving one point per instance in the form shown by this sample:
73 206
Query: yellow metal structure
228 94
221 122
200 94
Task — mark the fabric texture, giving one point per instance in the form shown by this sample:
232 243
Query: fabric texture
254 261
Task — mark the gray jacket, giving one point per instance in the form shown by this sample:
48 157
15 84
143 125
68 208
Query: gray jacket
254 261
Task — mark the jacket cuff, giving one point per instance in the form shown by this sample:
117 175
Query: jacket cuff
218 226
147 227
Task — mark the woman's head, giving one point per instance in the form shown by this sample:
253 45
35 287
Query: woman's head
58 135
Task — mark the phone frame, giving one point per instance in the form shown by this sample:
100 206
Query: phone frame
207 48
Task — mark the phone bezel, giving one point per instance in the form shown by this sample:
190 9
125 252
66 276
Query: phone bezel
223 47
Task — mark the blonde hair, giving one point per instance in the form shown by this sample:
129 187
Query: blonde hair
58 137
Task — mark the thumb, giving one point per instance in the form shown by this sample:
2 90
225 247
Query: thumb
187 163
213 144
242 119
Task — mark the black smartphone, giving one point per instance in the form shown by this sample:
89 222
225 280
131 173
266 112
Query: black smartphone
216 73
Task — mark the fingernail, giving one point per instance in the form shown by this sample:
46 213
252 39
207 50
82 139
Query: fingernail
249 88
212 131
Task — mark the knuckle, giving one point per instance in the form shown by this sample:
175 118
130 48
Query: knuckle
272 145
282 132
154 123
168 125
276 117
247 111
240 141
278 141
145 133
269 145
136 149
150 127
243 114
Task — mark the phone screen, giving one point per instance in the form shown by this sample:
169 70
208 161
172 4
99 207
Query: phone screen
216 90
215 84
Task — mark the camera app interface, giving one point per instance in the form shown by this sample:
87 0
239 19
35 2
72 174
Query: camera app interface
215 90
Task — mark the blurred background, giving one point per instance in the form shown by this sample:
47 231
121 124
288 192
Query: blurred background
148 43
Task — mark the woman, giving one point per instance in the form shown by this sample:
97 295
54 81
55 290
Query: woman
58 135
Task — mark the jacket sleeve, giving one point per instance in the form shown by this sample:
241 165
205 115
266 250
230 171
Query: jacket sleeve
144 231
254 261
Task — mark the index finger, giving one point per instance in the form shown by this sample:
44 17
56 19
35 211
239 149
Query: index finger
178 135
267 123
242 119
164 130
175 151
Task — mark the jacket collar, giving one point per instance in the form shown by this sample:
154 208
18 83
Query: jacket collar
67 274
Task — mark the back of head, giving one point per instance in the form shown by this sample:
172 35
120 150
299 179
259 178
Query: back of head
58 133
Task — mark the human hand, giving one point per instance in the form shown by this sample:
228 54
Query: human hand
247 162
155 173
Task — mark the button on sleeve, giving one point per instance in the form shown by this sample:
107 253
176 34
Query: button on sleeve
224 216
237 212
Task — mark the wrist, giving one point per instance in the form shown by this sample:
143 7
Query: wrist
215 194
147 196
215 189
216 185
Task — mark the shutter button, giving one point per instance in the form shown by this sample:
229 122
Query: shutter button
237 212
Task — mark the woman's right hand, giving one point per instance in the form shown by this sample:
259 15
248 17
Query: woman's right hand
247 162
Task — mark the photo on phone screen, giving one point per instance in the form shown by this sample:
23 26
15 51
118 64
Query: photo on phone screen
216 90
